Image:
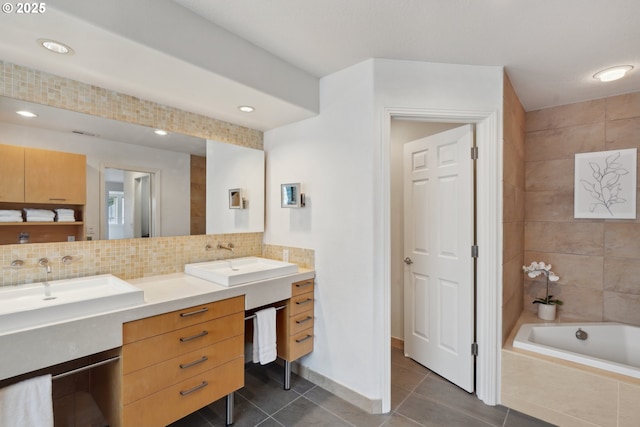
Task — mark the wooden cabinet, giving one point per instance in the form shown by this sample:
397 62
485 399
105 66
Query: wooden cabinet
54 177
12 170
42 179
176 363
295 322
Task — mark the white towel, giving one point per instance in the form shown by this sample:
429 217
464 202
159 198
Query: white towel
11 219
10 213
27 403
39 213
38 219
63 212
264 336
66 219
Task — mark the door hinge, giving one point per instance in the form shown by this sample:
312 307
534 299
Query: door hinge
474 251
474 349
474 153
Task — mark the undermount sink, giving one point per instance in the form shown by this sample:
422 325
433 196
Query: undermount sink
237 271
46 302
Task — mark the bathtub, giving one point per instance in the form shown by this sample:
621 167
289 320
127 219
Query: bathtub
610 346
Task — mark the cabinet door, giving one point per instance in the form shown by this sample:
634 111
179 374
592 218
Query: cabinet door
12 179
54 177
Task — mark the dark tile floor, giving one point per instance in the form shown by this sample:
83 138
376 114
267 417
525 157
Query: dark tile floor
418 398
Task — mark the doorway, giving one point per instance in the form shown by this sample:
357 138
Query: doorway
128 203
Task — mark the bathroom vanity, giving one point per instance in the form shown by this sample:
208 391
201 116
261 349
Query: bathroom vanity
180 350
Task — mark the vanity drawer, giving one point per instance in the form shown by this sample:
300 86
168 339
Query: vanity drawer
301 287
185 397
300 344
301 303
156 325
144 382
301 322
155 349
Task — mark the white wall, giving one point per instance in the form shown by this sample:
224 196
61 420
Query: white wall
341 157
174 167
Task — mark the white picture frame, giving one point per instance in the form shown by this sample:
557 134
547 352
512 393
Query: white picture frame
605 184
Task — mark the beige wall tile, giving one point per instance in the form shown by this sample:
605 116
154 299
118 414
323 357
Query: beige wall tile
513 278
621 307
580 238
623 106
549 206
551 175
513 240
566 115
554 144
581 271
629 409
623 134
622 239
565 390
511 311
621 275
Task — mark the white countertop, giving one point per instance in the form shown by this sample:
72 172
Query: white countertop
37 347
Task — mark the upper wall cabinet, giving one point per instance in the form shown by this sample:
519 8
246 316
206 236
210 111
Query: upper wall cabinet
54 177
12 180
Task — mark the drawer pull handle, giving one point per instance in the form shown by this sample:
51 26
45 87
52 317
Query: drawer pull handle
303 284
308 300
193 337
194 363
191 313
305 320
53 199
301 340
196 388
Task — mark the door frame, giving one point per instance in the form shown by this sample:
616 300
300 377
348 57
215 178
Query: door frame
489 240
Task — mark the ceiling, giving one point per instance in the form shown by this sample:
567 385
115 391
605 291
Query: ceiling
211 56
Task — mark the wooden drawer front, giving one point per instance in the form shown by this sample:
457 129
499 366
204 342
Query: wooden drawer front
179 400
301 303
301 322
147 352
300 344
144 382
156 325
302 287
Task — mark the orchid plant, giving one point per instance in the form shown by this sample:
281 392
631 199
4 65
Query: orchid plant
536 269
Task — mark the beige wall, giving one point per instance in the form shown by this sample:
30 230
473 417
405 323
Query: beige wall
598 261
513 208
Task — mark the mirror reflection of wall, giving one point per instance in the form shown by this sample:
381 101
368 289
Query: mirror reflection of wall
129 206
234 167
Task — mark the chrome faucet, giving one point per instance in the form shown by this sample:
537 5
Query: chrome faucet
229 247
44 262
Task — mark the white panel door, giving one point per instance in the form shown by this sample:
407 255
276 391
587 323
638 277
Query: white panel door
438 235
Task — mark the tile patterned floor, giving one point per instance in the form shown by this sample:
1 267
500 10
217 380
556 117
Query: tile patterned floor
418 398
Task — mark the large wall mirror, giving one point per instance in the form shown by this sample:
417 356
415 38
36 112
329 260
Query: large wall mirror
138 182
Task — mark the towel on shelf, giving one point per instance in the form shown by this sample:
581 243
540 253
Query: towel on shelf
10 215
264 336
27 403
39 215
65 212
65 215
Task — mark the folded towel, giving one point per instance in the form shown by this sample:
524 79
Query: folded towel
27 403
38 219
264 336
10 213
63 211
39 212
11 219
66 219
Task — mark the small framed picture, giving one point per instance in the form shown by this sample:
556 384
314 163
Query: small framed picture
235 198
290 195
605 184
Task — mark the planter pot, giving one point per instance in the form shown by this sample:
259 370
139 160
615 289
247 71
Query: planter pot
547 311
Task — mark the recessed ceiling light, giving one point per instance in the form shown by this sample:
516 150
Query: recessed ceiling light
25 113
613 73
55 46
246 108
161 132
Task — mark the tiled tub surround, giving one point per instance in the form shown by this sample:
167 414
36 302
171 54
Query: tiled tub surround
598 260
566 393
